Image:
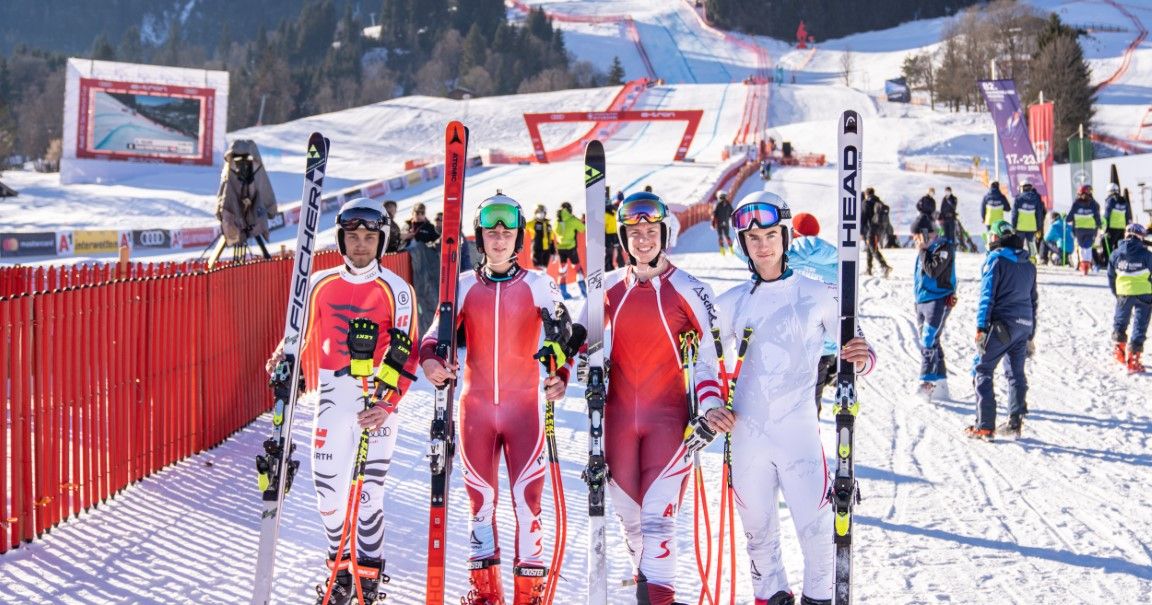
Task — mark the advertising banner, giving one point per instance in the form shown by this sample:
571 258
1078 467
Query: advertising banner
897 90
96 242
15 245
151 238
1004 104
1040 127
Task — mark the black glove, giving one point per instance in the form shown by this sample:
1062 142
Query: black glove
698 435
362 336
392 366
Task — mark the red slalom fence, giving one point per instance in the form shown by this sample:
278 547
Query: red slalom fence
110 374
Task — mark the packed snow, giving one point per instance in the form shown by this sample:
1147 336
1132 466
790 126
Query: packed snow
1056 517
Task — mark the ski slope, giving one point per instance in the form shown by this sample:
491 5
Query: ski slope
1058 517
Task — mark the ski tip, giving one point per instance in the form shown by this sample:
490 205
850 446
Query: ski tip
850 121
595 145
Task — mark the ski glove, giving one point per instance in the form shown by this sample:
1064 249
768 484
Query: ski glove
362 336
392 366
697 435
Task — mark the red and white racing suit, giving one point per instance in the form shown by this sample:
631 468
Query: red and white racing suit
776 441
646 410
500 404
337 296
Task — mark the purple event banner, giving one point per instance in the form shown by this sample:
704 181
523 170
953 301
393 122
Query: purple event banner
1004 104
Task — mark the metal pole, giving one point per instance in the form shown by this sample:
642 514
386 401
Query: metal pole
995 136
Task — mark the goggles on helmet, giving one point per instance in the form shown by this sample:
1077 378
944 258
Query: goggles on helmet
645 210
761 214
499 213
354 218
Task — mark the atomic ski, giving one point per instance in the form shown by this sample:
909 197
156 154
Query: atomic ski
442 445
843 494
276 466
596 473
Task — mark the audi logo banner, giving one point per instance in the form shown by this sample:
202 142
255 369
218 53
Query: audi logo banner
152 238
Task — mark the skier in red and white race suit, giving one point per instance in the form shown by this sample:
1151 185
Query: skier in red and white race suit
359 288
648 304
776 440
501 415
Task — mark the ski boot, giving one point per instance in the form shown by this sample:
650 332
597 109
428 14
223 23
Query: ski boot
925 391
371 577
1014 425
653 594
1134 364
564 291
1120 352
341 591
806 600
487 587
887 271
780 598
723 251
583 288
975 432
1085 266
529 585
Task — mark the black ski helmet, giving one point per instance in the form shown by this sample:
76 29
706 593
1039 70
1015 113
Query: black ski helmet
629 203
499 198
363 212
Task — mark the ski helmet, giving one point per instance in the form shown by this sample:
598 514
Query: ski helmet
362 212
641 207
1136 230
1084 189
1113 188
1025 184
762 209
499 210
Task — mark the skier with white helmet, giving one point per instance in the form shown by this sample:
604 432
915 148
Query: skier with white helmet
776 439
648 305
503 313
344 300
1117 217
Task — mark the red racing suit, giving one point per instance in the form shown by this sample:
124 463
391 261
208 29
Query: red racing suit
337 296
646 409
500 411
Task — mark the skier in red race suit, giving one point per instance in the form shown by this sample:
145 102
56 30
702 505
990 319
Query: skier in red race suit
647 305
359 288
500 307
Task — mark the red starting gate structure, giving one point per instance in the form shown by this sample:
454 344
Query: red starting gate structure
534 120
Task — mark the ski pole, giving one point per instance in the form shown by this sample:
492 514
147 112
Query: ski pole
688 344
727 498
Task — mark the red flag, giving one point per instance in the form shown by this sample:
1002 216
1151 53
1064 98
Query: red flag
1040 131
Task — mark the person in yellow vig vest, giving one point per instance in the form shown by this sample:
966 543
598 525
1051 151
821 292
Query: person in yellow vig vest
1131 282
993 207
1028 217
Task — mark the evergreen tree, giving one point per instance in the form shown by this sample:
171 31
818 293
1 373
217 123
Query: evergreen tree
616 73
102 49
1060 71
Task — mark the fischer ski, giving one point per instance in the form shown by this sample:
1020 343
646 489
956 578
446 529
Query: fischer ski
276 467
596 472
442 444
843 493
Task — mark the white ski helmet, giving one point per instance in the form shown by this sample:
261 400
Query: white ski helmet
762 209
641 207
363 212
1113 188
1025 184
499 210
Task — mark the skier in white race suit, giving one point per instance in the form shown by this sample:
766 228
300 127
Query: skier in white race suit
776 438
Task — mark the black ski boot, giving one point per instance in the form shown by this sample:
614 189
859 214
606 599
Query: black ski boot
1015 424
806 600
341 590
371 577
780 598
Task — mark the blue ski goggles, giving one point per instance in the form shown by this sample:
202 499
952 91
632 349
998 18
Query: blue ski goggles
648 209
499 213
354 218
761 214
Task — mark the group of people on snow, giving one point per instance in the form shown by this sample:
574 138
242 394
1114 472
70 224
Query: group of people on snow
508 315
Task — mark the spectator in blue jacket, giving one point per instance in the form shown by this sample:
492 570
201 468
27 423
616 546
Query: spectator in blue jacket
1058 242
935 283
1028 216
993 208
1005 325
813 257
1084 216
1131 282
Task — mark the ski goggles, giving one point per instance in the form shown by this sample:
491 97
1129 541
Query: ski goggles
761 214
634 212
354 218
499 213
